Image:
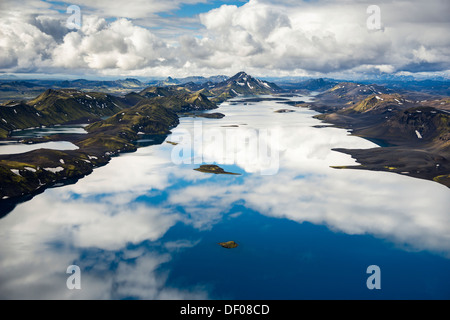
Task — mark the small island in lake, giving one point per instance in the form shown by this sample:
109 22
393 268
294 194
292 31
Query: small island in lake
229 245
207 168
284 111
215 115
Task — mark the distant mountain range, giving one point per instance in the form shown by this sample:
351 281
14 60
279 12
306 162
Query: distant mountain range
239 84
13 88
15 85
197 80
308 85
26 89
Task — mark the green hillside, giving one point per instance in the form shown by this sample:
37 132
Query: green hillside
54 107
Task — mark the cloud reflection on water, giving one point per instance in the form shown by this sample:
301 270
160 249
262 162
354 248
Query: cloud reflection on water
139 197
401 209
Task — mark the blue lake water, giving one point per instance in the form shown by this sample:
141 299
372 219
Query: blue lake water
147 226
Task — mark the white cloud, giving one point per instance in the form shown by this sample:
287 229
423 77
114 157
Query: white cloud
118 45
294 37
323 36
23 45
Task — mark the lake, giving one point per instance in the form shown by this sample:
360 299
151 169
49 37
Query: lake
15 147
49 131
147 225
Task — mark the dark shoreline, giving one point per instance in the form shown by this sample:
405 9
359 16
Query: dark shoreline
153 111
25 175
8 205
401 155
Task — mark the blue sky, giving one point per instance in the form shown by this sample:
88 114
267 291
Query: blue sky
184 10
152 38
191 10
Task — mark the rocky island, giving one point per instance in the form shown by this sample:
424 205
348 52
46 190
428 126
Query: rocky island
208 168
229 245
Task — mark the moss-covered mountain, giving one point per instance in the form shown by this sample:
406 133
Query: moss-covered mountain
119 132
58 107
177 99
239 84
31 172
394 119
151 111
184 102
242 84
28 173
417 133
346 94
54 107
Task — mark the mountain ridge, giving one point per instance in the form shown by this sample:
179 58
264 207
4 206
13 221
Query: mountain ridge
415 134
153 110
54 107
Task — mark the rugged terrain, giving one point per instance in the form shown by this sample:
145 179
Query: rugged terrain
27 89
414 134
54 107
240 84
117 122
412 127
